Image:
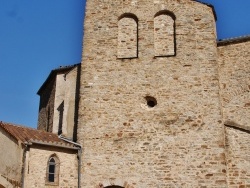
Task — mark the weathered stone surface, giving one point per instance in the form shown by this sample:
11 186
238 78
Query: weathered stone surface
164 35
238 158
46 107
37 162
10 160
156 90
234 67
234 77
127 37
58 99
26 154
64 105
180 141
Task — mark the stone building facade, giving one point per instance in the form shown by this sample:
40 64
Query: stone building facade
162 103
10 160
35 158
59 101
234 78
156 102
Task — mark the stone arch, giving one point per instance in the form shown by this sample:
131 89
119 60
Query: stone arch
114 183
127 36
164 34
4 183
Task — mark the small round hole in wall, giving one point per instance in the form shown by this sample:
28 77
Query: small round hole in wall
151 101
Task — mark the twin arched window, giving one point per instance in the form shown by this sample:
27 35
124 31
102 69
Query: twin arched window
52 175
164 35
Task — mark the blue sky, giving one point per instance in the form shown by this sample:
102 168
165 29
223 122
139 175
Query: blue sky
40 35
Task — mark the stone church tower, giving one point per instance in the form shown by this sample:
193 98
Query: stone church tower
150 113
157 102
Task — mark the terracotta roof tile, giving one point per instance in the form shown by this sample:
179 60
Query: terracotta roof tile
26 134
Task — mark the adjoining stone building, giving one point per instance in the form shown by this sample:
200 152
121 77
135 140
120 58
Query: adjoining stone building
157 101
59 99
35 158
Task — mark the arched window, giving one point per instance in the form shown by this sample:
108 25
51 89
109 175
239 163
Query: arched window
127 36
164 34
53 170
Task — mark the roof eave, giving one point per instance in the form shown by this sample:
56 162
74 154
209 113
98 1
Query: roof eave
9 133
57 145
235 40
53 73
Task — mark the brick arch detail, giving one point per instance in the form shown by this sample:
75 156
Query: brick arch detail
114 182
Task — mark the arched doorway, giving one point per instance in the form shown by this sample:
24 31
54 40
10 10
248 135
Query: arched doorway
114 183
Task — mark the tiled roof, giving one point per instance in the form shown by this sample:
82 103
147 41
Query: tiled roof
60 69
29 135
233 40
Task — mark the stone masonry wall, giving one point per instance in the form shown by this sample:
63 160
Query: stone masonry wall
59 105
234 70
238 158
164 38
65 94
180 141
127 38
46 107
36 166
11 160
69 103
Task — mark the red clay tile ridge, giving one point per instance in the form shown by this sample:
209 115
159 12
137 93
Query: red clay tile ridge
31 136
